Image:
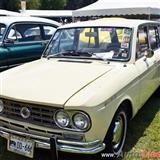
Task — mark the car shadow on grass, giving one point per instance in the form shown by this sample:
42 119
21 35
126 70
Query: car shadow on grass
141 121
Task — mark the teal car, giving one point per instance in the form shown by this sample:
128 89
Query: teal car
23 39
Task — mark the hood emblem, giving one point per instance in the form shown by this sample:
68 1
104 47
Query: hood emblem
25 112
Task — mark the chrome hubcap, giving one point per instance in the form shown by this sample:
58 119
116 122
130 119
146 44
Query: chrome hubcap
118 132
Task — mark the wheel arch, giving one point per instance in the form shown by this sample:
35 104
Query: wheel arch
128 106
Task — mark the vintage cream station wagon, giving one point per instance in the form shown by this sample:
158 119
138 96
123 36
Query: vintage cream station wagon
92 79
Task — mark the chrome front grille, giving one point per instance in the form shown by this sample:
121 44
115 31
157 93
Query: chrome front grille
40 115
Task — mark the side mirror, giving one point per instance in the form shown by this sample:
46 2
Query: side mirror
149 53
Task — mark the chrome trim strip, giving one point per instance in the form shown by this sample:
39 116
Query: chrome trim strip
78 143
9 131
92 147
10 66
92 150
44 145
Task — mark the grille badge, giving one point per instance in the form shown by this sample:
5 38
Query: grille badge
25 112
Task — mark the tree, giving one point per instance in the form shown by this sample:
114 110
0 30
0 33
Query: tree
33 4
75 4
52 4
12 5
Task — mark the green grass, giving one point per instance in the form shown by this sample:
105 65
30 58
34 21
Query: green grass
143 133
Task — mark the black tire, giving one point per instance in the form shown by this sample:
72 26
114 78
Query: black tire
3 146
157 92
116 134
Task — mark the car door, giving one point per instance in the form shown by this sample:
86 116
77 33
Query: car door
3 59
155 46
146 67
23 43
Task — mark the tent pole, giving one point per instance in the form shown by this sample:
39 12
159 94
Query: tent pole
73 19
149 16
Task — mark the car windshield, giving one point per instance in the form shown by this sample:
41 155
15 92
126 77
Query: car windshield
2 29
106 43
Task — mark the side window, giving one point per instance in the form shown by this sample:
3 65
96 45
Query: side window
14 34
159 31
48 31
159 35
153 37
25 33
142 42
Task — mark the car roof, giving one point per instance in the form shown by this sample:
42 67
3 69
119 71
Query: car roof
117 22
7 20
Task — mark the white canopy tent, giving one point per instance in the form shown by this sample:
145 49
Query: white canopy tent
9 13
48 13
62 16
120 8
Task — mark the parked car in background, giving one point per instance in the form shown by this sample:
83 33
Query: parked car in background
23 39
87 86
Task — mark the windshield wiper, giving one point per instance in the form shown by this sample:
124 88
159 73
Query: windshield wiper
81 54
92 54
65 53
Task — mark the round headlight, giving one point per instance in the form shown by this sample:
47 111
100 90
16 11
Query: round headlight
1 106
62 119
81 121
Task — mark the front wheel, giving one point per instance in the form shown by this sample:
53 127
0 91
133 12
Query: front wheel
116 135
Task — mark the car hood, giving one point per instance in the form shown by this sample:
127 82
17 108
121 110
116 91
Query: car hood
50 82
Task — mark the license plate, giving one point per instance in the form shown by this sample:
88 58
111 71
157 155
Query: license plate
21 146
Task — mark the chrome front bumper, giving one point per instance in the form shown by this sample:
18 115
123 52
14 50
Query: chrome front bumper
61 145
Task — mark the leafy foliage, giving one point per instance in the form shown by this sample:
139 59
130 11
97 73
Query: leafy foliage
15 5
12 5
52 4
75 4
33 4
